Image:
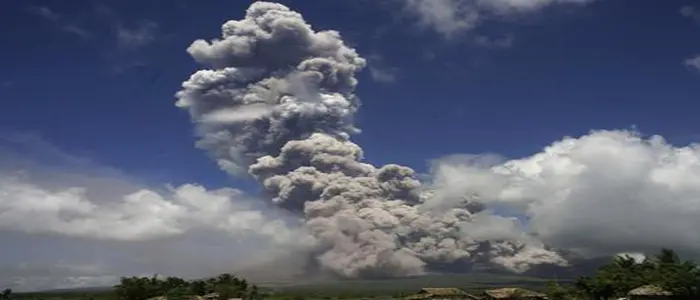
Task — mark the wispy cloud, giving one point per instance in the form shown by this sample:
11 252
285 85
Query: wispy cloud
59 21
136 37
690 12
45 12
131 43
693 14
450 18
500 42
126 39
77 30
383 75
693 63
380 71
128 36
447 18
123 40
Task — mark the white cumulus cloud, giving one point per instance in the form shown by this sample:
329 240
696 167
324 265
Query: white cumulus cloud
68 222
603 193
140 215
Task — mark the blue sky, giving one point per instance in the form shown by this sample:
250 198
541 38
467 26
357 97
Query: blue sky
609 65
90 135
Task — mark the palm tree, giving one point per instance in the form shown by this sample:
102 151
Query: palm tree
198 287
667 256
625 262
243 284
254 293
226 278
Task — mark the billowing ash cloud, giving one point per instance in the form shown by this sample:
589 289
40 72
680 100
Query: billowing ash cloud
277 102
273 80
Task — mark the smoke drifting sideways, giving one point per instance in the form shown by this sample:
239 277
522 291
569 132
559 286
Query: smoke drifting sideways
276 102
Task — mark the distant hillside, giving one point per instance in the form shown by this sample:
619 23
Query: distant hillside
75 290
467 281
96 293
292 273
289 275
578 268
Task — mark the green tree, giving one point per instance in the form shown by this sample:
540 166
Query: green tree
140 288
225 278
242 284
199 287
555 291
5 294
623 274
175 288
226 291
171 283
597 287
667 257
254 294
177 293
682 279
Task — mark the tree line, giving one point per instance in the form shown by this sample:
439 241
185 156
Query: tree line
665 270
226 286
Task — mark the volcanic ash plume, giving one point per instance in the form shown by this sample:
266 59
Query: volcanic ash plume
273 80
278 103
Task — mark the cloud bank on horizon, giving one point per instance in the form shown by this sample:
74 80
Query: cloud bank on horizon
275 101
73 223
